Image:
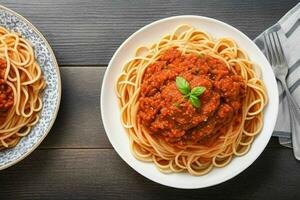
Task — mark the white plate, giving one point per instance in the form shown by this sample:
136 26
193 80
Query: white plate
111 114
51 98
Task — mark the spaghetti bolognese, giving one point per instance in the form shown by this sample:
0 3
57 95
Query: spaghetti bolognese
190 102
21 86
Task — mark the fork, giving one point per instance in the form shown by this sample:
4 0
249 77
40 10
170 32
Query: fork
278 62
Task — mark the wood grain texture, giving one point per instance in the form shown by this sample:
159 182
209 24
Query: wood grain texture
101 174
79 123
76 160
87 32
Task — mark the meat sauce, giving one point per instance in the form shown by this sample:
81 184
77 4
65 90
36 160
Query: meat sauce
6 93
165 112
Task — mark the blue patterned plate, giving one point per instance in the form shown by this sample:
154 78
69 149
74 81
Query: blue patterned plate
51 99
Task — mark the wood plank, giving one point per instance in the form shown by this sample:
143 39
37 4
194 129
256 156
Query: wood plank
88 32
101 174
79 123
76 160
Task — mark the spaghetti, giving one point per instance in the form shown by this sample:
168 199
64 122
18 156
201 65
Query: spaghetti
190 144
21 86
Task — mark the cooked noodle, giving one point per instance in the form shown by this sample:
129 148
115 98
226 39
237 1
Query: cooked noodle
22 76
197 159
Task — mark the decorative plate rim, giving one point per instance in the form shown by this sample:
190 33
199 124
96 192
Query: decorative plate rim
54 115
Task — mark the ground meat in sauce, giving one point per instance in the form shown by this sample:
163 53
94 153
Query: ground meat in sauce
166 113
6 93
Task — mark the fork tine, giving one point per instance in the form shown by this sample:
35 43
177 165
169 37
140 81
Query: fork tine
267 47
270 49
275 49
280 50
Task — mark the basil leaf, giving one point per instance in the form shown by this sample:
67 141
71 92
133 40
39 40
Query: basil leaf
182 85
197 91
195 101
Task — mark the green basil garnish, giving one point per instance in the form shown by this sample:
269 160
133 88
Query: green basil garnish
193 96
197 91
182 85
195 101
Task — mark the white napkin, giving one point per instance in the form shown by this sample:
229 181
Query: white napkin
288 28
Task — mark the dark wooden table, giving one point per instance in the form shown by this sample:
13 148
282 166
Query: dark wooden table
76 160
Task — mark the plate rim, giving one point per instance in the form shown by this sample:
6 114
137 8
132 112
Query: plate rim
59 86
152 178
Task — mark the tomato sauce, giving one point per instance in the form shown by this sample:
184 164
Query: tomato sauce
6 93
165 112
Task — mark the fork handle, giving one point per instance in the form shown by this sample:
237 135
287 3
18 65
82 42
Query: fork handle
295 128
295 121
291 101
